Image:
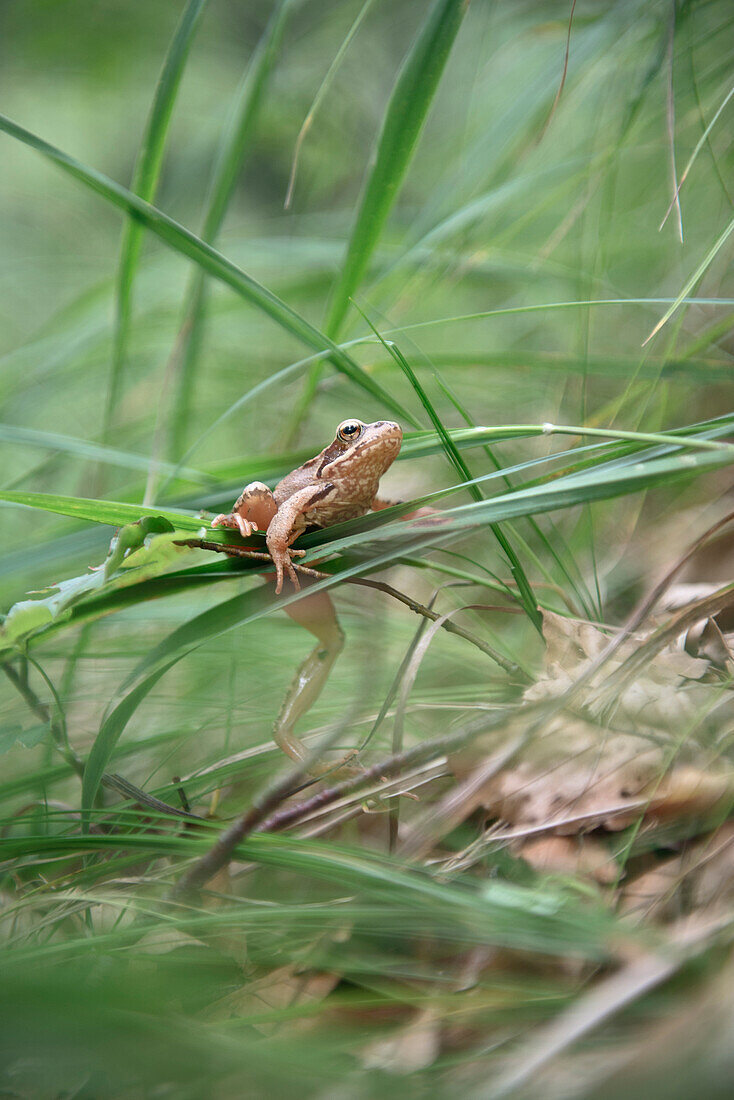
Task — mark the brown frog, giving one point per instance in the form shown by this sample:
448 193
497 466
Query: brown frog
338 484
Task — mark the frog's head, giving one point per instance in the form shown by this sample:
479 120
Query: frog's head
360 447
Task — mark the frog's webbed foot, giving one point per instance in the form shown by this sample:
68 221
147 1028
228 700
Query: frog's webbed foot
236 522
284 565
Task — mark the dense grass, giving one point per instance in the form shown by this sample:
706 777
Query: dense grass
473 246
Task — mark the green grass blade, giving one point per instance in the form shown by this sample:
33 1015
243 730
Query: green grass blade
232 150
92 452
693 281
216 620
527 599
406 113
320 96
547 544
114 513
209 260
107 739
145 184
616 479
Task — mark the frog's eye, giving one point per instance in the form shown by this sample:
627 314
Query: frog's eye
349 430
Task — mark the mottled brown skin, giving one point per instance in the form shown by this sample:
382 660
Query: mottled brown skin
338 484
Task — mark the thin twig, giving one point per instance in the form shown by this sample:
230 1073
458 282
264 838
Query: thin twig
420 609
222 851
129 790
386 768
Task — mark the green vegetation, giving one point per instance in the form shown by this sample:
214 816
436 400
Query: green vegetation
510 228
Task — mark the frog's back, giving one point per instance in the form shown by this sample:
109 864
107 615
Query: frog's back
297 479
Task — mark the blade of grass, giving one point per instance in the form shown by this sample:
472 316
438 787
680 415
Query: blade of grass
406 113
699 145
616 479
410 100
209 260
233 147
525 592
92 452
111 512
694 279
145 184
535 527
319 97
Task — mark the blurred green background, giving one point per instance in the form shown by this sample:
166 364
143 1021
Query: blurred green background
519 203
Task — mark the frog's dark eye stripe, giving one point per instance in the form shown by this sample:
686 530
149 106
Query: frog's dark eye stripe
349 430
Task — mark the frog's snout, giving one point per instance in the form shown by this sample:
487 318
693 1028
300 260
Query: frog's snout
389 429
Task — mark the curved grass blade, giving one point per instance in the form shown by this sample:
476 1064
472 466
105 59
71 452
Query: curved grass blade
527 598
319 97
699 145
216 620
628 475
145 184
112 512
234 144
406 113
93 452
209 260
694 279
579 588
107 739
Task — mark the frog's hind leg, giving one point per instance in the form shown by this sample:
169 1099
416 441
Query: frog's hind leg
316 613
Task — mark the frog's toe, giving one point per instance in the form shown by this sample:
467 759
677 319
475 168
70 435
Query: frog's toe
245 526
236 522
291 571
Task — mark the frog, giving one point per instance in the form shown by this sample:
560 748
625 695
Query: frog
338 484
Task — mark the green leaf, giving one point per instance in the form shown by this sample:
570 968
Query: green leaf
209 260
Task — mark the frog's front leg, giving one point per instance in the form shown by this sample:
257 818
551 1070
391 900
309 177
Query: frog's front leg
252 511
288 523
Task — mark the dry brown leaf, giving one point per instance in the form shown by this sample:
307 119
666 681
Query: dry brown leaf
581 774
409 1049
281 988
564 855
